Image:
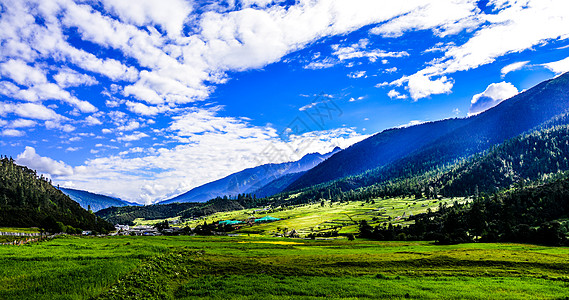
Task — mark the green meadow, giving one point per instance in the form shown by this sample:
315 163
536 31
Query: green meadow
309 218
242 267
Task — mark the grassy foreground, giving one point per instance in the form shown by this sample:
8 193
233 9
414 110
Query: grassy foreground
265 268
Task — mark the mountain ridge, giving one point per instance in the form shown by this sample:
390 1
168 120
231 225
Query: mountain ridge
250 180
94 201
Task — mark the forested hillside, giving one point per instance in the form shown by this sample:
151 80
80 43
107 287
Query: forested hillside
127 214
29 200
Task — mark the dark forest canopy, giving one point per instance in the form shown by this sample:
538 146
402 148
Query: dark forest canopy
536 214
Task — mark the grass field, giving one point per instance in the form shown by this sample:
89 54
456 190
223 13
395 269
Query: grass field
20 230
309 218
272 268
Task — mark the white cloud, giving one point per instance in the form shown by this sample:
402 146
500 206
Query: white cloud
356 99
92 121
72 149
382 84
513 67
12 132
168 14
57 125
421 86
29 110
321 64
358 50
132 137
132 125
395 94
558 67
22 73
411 123
44 165
444 17
357 74
145 110
19 123
492 96
70 78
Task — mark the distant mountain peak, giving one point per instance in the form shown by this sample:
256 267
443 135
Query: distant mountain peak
94 201
250 180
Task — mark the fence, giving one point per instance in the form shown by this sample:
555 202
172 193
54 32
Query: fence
19 234
39 237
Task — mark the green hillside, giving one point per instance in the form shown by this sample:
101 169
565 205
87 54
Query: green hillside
29 200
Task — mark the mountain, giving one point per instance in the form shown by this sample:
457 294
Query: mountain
535 156
94 201
394 151
278 185
250 180
29 200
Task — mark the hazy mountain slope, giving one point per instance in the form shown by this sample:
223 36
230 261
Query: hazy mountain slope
278 185
95 201
27 200
249 180
433 144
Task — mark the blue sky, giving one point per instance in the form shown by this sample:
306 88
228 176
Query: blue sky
146 99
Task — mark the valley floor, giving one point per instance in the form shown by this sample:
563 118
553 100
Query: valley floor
242 267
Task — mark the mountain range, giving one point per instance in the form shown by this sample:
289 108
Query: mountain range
92 201
263 178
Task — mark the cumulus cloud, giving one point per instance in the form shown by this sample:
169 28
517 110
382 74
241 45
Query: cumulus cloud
69 78
58 125
92 121
131 125
20 123
393 94
12 132
421 86
132 137
492 96
29 110
44 165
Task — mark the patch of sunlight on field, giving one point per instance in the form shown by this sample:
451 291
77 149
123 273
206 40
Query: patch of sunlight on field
315 218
